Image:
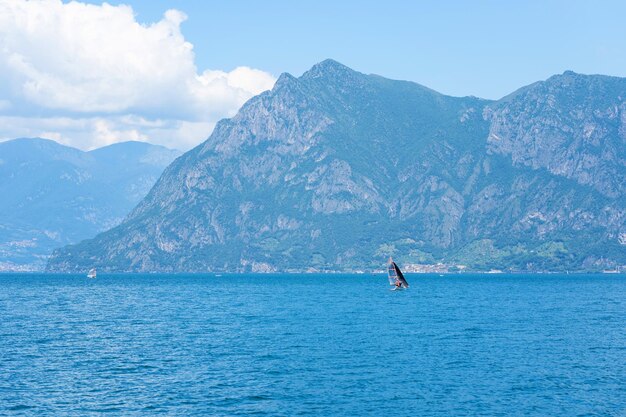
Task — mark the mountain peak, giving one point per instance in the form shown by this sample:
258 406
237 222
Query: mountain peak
43 148
284 79
328 68
330 63
33 142
130 144
567 75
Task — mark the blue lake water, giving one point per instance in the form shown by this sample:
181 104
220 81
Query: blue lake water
313 345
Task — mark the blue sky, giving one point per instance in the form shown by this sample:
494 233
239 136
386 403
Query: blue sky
88 74
482 48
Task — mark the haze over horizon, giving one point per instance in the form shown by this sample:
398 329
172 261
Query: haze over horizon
88 74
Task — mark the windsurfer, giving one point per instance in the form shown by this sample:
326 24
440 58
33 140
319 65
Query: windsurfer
396 279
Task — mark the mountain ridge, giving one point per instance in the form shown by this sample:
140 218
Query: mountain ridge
336 169
55 194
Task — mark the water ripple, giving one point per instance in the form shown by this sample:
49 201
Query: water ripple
312 345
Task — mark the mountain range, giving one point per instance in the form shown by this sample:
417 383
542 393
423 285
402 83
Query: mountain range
53 195
337 170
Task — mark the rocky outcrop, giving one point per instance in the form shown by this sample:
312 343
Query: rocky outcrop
572 125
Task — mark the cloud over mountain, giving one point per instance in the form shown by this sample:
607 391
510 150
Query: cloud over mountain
83 63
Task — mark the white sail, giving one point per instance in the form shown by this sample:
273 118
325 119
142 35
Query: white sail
91 273
391 273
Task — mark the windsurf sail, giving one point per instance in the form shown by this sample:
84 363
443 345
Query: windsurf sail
395 275
91 273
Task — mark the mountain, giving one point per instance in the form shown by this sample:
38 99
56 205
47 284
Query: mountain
336 170
53 195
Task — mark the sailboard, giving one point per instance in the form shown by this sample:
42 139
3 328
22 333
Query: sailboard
396 278
91 273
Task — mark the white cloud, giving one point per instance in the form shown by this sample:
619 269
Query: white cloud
81 62
93 132
106 133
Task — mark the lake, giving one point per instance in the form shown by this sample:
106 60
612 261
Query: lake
287 345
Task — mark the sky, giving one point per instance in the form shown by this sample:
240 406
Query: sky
88 73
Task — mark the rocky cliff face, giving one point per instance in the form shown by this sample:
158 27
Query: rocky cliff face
336 170
571 125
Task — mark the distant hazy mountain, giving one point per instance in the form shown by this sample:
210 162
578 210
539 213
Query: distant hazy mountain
336 170
52 195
